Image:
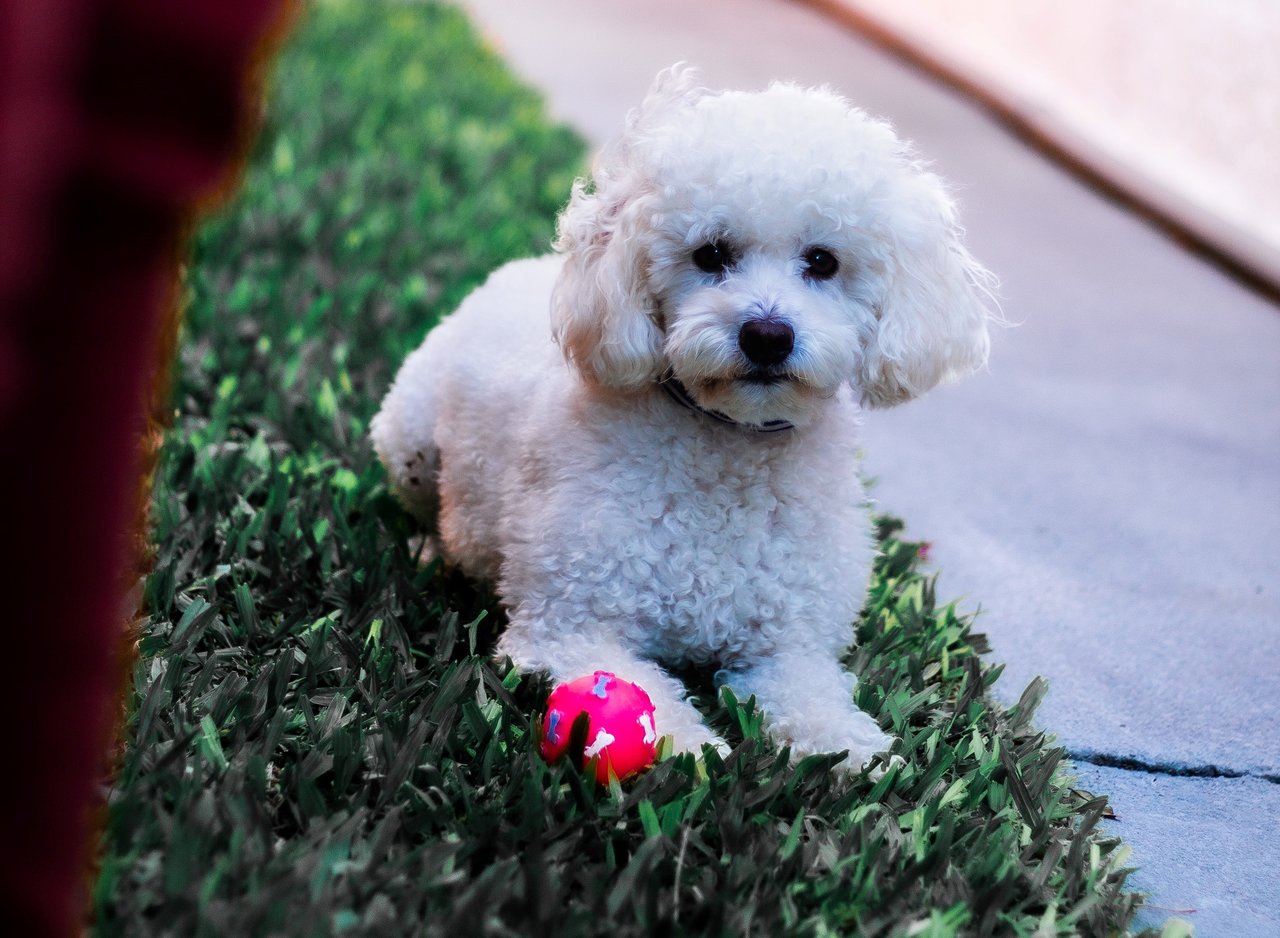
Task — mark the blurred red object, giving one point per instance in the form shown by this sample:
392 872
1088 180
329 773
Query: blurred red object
119 121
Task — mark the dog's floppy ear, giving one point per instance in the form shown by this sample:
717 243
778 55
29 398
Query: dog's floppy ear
602 313
931 320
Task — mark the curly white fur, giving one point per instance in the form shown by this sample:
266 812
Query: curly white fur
624 531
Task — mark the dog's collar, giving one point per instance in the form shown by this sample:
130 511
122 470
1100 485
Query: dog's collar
680 394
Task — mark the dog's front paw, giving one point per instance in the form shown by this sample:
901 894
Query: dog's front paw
691 737
877 767
861 737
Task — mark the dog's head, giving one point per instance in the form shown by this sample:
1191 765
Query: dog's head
764 248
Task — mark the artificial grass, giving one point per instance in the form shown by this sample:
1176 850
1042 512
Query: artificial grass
318 742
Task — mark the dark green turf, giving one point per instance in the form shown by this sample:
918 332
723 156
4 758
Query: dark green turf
318 743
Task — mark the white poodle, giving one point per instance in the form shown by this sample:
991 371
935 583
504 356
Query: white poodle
666 471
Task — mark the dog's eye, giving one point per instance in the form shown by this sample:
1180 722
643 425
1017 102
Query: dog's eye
713 258
822 263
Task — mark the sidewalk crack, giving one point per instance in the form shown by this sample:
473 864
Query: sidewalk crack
1176 770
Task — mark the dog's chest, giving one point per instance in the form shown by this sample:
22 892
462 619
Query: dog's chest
727 544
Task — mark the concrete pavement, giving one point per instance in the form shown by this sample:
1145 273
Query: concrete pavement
1108 491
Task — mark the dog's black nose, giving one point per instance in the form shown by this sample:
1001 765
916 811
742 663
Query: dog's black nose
766 342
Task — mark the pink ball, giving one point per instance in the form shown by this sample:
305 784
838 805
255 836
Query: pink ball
620 726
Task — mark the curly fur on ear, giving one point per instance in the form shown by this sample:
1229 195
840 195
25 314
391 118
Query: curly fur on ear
602 314
934 309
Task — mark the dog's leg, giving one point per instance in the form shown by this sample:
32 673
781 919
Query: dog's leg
403 435
571 655
807 699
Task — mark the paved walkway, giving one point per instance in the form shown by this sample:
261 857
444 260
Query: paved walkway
1108 492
